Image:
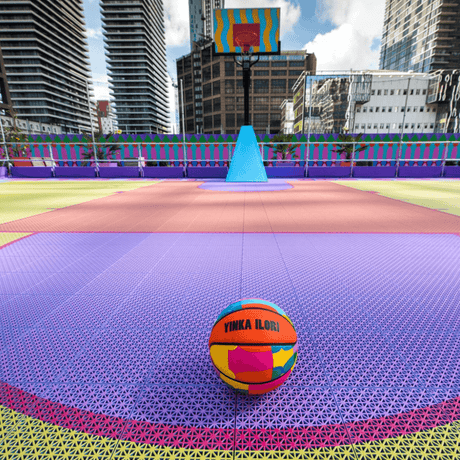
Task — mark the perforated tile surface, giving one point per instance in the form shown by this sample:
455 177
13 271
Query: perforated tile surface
103 346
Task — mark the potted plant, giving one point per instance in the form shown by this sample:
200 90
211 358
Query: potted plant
349 148
103 151
282 149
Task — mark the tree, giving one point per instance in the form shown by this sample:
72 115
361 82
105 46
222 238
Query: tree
15 140
105 150
349 148
283 149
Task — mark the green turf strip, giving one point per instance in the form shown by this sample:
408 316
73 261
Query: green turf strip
20 199
443 195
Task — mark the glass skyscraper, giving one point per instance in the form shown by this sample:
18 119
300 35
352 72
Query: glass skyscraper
421 35
201 19
134 36
46 58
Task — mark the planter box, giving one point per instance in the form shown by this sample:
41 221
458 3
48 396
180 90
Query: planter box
452 171
120 171
205 172
374 171
21 161
420 171
38 171
284 171
163 171
3 172
329 171
75 171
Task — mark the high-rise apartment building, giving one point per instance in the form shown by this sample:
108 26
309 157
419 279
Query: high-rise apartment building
5 101
201 20
214 94
421 35
134 34
46 59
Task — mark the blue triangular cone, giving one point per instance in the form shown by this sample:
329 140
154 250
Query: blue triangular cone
247 164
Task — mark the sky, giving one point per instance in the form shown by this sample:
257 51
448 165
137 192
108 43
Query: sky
343 34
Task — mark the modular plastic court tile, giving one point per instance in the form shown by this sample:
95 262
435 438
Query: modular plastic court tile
127 374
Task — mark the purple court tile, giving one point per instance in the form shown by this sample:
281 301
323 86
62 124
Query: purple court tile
207 406
376 315
270 186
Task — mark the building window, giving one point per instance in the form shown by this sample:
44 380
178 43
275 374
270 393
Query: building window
261 86
431 126
424 92
421 108
189 95
379 92
239 120
207 106
392 91
208 122
229 69
364 109
419 126
382 126
373 92
189 110
279 73
279 63
216 70
384 109
406 126
400 126
207 74
388 126
427 109
207 90
261 73
408 109
190 125
412 126
369 126
278 86
358 109
377 109
217 121
385 92
371 109
296 63
295 72
216 103
417 92
230 120
216 88
229 86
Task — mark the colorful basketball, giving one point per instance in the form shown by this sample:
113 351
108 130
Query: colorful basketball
253 346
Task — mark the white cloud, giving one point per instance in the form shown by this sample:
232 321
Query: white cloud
176 22
94 33
290 12
358 23
101 87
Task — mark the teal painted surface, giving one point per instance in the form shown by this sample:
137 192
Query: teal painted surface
247 164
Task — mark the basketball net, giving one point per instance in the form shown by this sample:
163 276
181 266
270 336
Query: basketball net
244 41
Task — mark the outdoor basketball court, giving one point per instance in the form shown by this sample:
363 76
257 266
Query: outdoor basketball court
109 290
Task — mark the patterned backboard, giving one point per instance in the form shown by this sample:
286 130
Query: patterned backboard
265 22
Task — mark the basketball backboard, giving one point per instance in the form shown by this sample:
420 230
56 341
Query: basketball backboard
257 28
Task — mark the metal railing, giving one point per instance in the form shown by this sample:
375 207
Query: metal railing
304 148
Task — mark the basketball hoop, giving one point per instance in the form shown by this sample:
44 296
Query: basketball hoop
246 41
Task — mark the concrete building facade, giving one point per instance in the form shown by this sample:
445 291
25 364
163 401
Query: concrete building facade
213 90
46 59
134 36
367 102
420 35
105 117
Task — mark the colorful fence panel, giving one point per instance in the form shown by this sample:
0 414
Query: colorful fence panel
210 150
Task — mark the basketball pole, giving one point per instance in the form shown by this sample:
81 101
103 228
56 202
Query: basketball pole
246 64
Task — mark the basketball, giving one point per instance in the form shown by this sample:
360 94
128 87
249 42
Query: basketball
253 346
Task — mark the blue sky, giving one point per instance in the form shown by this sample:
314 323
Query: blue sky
343 34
